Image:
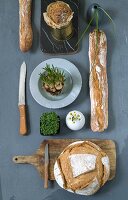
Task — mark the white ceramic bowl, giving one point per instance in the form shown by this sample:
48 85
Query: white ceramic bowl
75 120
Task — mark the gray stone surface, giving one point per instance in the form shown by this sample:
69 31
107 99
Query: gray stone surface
22 182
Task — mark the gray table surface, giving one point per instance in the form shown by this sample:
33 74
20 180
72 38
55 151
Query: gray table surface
22 182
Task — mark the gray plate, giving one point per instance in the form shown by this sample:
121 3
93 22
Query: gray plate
71 89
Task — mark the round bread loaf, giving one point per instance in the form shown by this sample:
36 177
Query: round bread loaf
83 168
58 14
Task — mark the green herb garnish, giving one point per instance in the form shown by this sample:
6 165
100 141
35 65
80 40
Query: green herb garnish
74 117
52 79
52 75
49 123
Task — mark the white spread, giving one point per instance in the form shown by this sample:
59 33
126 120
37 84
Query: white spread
82 163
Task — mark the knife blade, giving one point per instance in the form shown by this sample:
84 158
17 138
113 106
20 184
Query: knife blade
21 104
46 164
22 84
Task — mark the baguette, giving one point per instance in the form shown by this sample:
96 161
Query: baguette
25 27
98 81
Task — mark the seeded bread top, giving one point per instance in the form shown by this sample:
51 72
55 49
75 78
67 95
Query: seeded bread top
58 14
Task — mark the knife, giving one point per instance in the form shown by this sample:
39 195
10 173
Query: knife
21 105
46 164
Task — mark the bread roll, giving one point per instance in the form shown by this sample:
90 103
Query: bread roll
58 14
98 81
83 168
25 27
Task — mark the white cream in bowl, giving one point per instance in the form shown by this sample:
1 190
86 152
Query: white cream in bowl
75 120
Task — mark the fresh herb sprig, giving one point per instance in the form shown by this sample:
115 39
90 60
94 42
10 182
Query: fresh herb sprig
52 75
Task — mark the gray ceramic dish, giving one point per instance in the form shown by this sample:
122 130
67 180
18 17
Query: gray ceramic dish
71 89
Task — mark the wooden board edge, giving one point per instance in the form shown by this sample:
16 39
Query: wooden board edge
89 139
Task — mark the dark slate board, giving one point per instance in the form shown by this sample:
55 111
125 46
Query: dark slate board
47 43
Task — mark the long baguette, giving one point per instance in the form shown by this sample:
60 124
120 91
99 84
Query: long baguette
98 81
25 27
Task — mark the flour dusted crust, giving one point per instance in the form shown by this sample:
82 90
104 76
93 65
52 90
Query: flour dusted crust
25 27
58 14
91 189
89 181
98 81
82 163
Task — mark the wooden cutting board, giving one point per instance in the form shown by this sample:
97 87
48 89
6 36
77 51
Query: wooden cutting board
56 146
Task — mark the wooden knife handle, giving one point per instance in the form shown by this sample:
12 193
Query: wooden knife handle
23 126
46 176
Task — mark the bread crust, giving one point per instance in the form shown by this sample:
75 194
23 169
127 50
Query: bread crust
25 27
98 81
58 14
83 182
